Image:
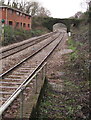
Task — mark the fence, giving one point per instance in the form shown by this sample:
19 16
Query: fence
20 104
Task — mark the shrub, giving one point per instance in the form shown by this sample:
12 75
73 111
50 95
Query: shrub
12 35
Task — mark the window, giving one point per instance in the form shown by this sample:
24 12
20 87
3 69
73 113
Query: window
24 24
17 24
29 17
3 9
29 25
24 16
18 13
21 24
11 11
10 23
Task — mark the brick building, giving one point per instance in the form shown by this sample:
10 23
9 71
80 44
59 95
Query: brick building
15 18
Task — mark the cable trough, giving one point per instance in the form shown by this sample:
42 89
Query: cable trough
22 77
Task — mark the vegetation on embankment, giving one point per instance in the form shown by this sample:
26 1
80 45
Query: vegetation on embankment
76 79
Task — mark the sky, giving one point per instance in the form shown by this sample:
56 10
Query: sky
63 8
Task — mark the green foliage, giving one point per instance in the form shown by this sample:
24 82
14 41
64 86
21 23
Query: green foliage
79 58
73 56
87 16
12 35
71 44
77 22
36 32
36 21
74 45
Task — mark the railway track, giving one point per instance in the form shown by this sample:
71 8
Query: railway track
13 79
14 59
22 45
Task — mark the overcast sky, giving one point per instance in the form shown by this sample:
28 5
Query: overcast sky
63 8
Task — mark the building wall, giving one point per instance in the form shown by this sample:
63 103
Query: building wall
16 19
2 13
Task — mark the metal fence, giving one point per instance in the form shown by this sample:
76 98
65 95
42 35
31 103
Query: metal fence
21 102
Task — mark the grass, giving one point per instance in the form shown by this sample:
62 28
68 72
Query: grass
71 44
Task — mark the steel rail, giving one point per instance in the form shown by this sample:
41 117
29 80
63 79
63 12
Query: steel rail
24 45
11 69
19 90
26 82
20 43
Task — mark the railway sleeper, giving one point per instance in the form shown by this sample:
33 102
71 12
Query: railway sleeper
9 87
12 79
14 83
6 93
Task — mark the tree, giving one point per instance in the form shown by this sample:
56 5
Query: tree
43 12
32 8
22 6
35 9
85 4
14 5
9 3
78 14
